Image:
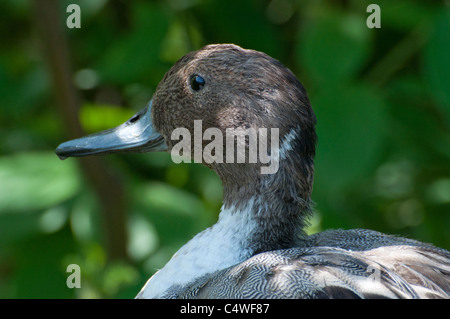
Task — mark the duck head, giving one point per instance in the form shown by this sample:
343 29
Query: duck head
227 88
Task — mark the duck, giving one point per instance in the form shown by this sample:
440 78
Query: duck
258 248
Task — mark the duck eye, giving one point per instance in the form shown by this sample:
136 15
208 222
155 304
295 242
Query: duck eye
197 82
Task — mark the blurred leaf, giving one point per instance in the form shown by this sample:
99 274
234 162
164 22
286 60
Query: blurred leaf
439 191
31 181
437 63
404 15
118 275
39 273
15 227
143 238
176 214
350 129
241 22
176 43
83 222
174 200
334 47
53 219
91 7
96 117
92 260
136 55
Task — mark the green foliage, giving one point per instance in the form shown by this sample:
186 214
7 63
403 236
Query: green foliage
437 66
381 96
334 47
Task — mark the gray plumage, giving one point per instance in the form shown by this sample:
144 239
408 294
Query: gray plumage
334 264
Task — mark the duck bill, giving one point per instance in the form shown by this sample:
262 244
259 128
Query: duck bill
137 135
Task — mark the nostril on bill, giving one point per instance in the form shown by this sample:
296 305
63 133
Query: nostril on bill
134 118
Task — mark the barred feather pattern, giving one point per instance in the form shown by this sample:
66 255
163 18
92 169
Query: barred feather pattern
334 264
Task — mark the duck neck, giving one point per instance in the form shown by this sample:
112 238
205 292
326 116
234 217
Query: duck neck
277 206
242 230
259 213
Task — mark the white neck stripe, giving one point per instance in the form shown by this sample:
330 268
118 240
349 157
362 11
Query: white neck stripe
218 247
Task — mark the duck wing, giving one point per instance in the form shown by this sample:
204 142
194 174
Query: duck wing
326 272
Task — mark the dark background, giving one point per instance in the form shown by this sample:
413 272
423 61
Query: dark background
381 96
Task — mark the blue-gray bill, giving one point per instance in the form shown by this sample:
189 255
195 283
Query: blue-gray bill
137 135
